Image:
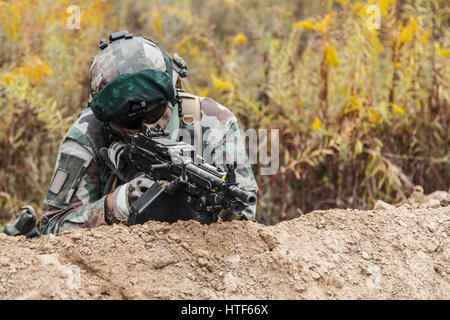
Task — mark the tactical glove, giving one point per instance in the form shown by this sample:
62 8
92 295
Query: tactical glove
24 222
119 202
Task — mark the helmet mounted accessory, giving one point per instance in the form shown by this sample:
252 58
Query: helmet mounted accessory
179 65
119 35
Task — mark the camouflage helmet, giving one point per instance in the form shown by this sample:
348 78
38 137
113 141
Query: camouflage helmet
123 55
132 79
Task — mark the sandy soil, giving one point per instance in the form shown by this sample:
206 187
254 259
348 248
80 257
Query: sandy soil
399 253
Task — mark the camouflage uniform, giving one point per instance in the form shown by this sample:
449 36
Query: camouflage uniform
80 200
81 182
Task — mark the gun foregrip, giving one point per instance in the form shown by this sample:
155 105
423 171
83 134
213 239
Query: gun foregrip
141 205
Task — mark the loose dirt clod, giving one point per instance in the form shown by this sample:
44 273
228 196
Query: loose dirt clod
399 253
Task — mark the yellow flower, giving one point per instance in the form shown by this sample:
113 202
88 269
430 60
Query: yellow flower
405 35
41 69
34 68
384 6
424 37
311 24
398 109
408 32
413 26
274 43
46 70
397 64
356 7
183 46
444 53
220 84
353 103
330 57
374 116
8 79
307 25
317 124
239 39
327 19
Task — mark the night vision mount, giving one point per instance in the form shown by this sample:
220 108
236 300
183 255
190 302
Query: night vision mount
179 65
115 36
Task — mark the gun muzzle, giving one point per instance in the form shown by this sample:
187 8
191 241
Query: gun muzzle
243 195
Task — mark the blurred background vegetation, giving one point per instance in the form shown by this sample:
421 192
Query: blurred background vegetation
363 113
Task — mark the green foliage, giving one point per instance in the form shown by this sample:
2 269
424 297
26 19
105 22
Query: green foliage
363 114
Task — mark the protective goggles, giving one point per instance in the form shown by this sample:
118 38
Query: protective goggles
140 113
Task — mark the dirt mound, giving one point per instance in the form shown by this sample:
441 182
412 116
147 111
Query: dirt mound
342 254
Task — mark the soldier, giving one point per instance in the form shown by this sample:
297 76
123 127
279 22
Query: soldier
134 84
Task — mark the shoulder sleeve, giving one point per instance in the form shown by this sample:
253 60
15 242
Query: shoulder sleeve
71 164
76 152
74 195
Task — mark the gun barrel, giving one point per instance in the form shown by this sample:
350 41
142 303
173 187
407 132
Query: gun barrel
243 195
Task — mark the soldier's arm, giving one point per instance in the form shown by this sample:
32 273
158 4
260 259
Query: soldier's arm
224 144
74 195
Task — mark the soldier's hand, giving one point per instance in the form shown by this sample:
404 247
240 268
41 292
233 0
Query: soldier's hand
119 202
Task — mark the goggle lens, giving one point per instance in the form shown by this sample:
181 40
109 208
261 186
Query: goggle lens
139 114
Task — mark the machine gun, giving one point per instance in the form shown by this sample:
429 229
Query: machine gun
185 187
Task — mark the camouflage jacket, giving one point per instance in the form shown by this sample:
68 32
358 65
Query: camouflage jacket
78 190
